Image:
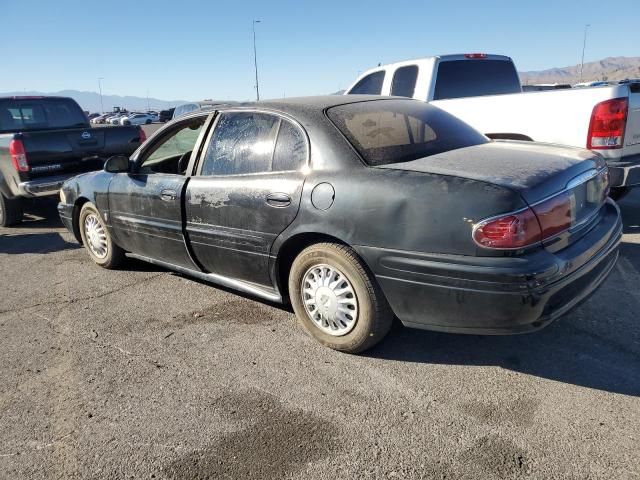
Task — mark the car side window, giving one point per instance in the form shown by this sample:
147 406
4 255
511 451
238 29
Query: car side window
369 85
165 156
242 142
404 81
291 148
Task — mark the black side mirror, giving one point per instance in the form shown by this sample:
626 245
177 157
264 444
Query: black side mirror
117 164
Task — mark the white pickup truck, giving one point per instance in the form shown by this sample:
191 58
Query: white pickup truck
485 91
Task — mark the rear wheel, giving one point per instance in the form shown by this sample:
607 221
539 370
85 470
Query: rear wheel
148 122
97 240
337 300
10 211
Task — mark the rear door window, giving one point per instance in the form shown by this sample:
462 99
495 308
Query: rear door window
291 148
404 81
242 142
369 85
474 78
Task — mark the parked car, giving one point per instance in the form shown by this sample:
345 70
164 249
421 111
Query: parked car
166 115
91 116
136 119
185 108
46 140
478 88
399 208
100 119
541 87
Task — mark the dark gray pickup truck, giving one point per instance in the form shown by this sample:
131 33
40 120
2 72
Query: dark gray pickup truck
46 140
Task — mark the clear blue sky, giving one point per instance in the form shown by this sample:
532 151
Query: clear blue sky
203 49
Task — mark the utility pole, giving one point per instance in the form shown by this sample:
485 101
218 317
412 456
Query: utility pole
255 58
584 45
148 109
100 88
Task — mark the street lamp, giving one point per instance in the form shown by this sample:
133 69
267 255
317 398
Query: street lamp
100 88
584 44
255 58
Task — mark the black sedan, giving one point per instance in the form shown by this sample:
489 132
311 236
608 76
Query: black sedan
356 209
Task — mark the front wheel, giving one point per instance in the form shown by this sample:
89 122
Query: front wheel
337 300
10 211
97 240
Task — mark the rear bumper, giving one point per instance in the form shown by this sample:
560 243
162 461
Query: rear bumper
626 172
43 187
495 295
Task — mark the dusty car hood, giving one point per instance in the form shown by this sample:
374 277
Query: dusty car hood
535 170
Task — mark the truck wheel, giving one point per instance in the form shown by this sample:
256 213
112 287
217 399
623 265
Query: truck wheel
618 193
10 211
96 238
337 300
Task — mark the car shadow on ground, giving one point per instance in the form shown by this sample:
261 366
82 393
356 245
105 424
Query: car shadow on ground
596 346
630 209
34 243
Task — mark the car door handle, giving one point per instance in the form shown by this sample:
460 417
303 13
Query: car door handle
168 195
278 199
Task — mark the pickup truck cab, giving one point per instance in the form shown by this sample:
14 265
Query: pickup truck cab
485 91
46 140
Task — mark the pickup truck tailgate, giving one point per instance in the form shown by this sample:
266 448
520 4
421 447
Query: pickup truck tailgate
632 132
76 150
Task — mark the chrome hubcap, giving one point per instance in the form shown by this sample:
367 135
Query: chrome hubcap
96 236
330 300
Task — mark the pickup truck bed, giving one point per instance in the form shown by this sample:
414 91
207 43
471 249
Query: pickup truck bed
46 140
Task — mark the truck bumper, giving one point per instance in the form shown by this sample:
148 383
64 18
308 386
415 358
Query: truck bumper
625 173
43 187
495 295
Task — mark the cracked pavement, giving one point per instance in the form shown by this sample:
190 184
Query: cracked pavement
143 373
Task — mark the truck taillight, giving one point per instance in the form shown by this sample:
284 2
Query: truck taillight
143 136
18 157
608 122
475 55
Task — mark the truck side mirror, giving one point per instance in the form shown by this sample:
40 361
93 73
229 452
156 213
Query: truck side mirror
117 164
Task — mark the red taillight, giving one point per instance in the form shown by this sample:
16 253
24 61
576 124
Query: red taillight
555 215
515 230
18 157
475 55
143 136
608 122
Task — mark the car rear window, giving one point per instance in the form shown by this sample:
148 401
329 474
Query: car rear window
475 78
39 114
393 131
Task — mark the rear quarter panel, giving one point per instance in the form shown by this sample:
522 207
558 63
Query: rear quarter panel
401 210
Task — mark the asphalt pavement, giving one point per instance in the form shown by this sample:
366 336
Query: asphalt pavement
143 373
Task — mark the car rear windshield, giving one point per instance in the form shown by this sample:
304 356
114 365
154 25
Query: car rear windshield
39 114
475 78
393 131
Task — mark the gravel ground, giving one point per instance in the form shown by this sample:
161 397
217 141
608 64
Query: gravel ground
142 373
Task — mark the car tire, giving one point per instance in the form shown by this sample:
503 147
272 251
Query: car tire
148 122
11 212
618 193
97 240
349 316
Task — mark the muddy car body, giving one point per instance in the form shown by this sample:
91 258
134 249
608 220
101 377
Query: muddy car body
358 208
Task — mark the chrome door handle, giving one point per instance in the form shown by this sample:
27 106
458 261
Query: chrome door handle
278 199
168 195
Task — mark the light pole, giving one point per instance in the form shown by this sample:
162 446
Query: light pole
255 58
584 44
148 108
100 88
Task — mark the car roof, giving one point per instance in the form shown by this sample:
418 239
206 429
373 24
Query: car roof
315 104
